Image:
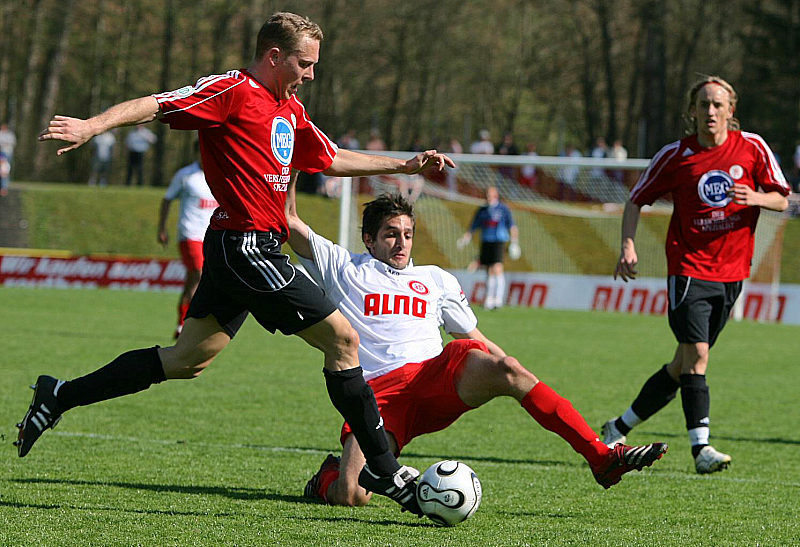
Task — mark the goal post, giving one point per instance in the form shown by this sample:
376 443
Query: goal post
568 211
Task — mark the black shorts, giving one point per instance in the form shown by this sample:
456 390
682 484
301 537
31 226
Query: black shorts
247 272
698 309
491 252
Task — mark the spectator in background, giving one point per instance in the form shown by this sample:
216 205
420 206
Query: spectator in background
196 206
416 144
599 151
569 174
497 228
138 142
484 145
102 153
349 141
8 141
5 174
619 153
507 147
796 173
375 141
527 174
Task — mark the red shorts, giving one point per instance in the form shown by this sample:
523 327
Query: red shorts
420 398
191 254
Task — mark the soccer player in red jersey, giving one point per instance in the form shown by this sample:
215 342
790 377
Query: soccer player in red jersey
252 131
719 178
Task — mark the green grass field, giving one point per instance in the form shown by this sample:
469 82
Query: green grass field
222 460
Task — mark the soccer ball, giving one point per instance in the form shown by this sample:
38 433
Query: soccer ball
449 492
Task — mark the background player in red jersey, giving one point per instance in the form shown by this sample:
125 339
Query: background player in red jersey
421 386
252 131
719 178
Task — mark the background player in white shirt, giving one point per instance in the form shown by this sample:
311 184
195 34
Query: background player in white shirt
196 206
420 386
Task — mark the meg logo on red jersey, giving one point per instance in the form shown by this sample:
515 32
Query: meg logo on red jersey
282 140
713 188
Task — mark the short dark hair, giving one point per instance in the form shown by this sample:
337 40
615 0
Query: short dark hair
380 209
284 30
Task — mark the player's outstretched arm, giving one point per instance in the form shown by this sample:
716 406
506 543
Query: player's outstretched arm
77 132
298 230
348 163
626 264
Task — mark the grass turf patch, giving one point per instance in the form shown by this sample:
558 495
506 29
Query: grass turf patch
222 460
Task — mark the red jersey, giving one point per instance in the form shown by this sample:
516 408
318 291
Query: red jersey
249 141
710 237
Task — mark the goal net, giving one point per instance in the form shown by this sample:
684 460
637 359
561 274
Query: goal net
568 211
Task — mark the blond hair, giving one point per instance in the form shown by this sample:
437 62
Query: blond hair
284 31
691 121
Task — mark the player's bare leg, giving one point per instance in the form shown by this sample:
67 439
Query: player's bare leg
131 372
189 287
484 377
200 341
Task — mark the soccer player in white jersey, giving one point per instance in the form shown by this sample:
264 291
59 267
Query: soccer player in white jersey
421 386
252 130
719 178
197 204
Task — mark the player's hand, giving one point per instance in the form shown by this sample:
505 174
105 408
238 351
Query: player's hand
514 252
163 238
741 194
426 160
72 130
463 241
626 265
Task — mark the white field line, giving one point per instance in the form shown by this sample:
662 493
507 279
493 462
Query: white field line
483 463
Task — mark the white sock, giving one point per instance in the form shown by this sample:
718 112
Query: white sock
630 418
698 435
491 289
500 290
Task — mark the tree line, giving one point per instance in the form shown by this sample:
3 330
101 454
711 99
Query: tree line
549 71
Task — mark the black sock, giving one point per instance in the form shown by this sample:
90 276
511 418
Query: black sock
696 449
656 393
355 401
133 371
621 426
696 403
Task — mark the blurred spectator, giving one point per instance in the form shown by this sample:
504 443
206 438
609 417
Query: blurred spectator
102 152
138 142
5 174
619 153
453 146
507 147
411 186
310 183
8 141
484 145
599 151
417 145
375 141
569 174
527 174
349 141
796 173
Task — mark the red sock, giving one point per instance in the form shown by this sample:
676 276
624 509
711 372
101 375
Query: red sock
325 480
556 414
183 307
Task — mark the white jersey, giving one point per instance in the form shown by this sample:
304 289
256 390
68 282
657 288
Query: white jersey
397 313
197 203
